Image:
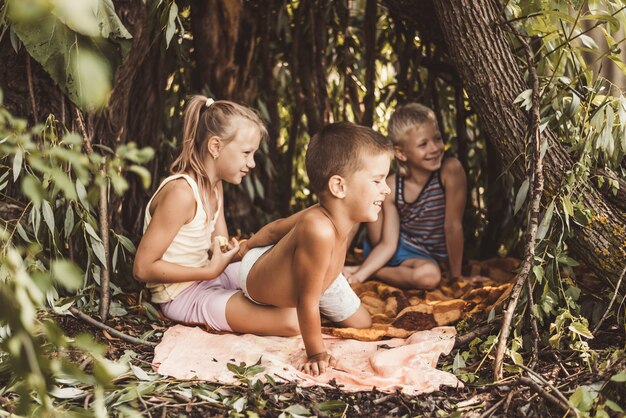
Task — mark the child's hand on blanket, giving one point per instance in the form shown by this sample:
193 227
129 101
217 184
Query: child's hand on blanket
318 363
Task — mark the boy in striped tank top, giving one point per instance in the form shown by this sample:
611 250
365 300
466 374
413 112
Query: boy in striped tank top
421 222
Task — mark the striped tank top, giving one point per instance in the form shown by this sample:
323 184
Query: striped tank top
422 221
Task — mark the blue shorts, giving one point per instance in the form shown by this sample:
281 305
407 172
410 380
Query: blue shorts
403 252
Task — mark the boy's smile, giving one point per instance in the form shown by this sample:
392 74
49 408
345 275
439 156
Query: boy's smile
367 188
424 147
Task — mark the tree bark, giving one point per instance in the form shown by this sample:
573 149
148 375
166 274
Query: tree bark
480 50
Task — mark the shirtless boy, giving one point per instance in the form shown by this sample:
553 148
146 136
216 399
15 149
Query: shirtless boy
347 165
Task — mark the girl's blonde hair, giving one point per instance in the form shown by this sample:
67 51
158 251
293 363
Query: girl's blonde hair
406 118
205 118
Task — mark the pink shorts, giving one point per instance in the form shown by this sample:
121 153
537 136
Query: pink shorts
204 302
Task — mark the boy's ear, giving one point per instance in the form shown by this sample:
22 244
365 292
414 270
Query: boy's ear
214 145
337 186
400 155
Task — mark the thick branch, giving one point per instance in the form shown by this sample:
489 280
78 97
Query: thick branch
103 211
109 329
536 173
482 55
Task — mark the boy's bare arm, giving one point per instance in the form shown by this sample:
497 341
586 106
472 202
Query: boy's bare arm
315 240
384 250
455 184
274 231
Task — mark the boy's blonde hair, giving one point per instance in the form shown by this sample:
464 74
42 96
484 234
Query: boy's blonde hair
203 119
406 118
337 150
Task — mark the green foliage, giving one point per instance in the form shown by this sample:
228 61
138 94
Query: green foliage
80 44
55 225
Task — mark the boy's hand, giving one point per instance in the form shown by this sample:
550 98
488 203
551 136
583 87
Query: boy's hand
318 363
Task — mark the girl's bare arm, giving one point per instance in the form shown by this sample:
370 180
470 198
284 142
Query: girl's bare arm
176 206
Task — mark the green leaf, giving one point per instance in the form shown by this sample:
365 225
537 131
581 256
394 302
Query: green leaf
17 164
544 226
580 329
458 362
335 405
521 196
619 377
126 243
114 257
68 225
613 406
143 174
67 393
140 373
22 232
91 231
516 357
98 250
538 273
171 24
82 194
297 409
48 216
67 274
33 190
79 50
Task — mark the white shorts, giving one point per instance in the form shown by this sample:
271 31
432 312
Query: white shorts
338 302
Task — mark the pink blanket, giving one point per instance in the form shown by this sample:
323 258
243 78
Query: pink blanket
404 364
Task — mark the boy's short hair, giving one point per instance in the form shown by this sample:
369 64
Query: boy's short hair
337 150
406 118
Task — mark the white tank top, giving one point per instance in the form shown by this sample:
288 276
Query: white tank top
191 244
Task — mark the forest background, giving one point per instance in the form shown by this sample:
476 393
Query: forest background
529 95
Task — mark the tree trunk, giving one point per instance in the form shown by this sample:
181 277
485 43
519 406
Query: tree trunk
481 53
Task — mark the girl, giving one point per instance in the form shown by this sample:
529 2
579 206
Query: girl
185 216
421 222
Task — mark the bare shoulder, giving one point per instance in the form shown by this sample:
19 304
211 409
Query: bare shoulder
452 170
315 226
176 197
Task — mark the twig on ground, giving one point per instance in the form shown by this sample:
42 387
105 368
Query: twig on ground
489 412
464 339
550 385
608 309
558 361
547 396
536 174
112 331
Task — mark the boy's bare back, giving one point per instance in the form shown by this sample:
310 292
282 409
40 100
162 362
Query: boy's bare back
303 264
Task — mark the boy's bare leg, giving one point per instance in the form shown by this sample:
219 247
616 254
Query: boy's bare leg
247 317
360 319
414 273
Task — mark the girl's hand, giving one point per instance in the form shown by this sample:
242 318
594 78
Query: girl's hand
318 363
352 274
219 260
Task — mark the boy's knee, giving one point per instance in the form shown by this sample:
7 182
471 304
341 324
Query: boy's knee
291 327
427 277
